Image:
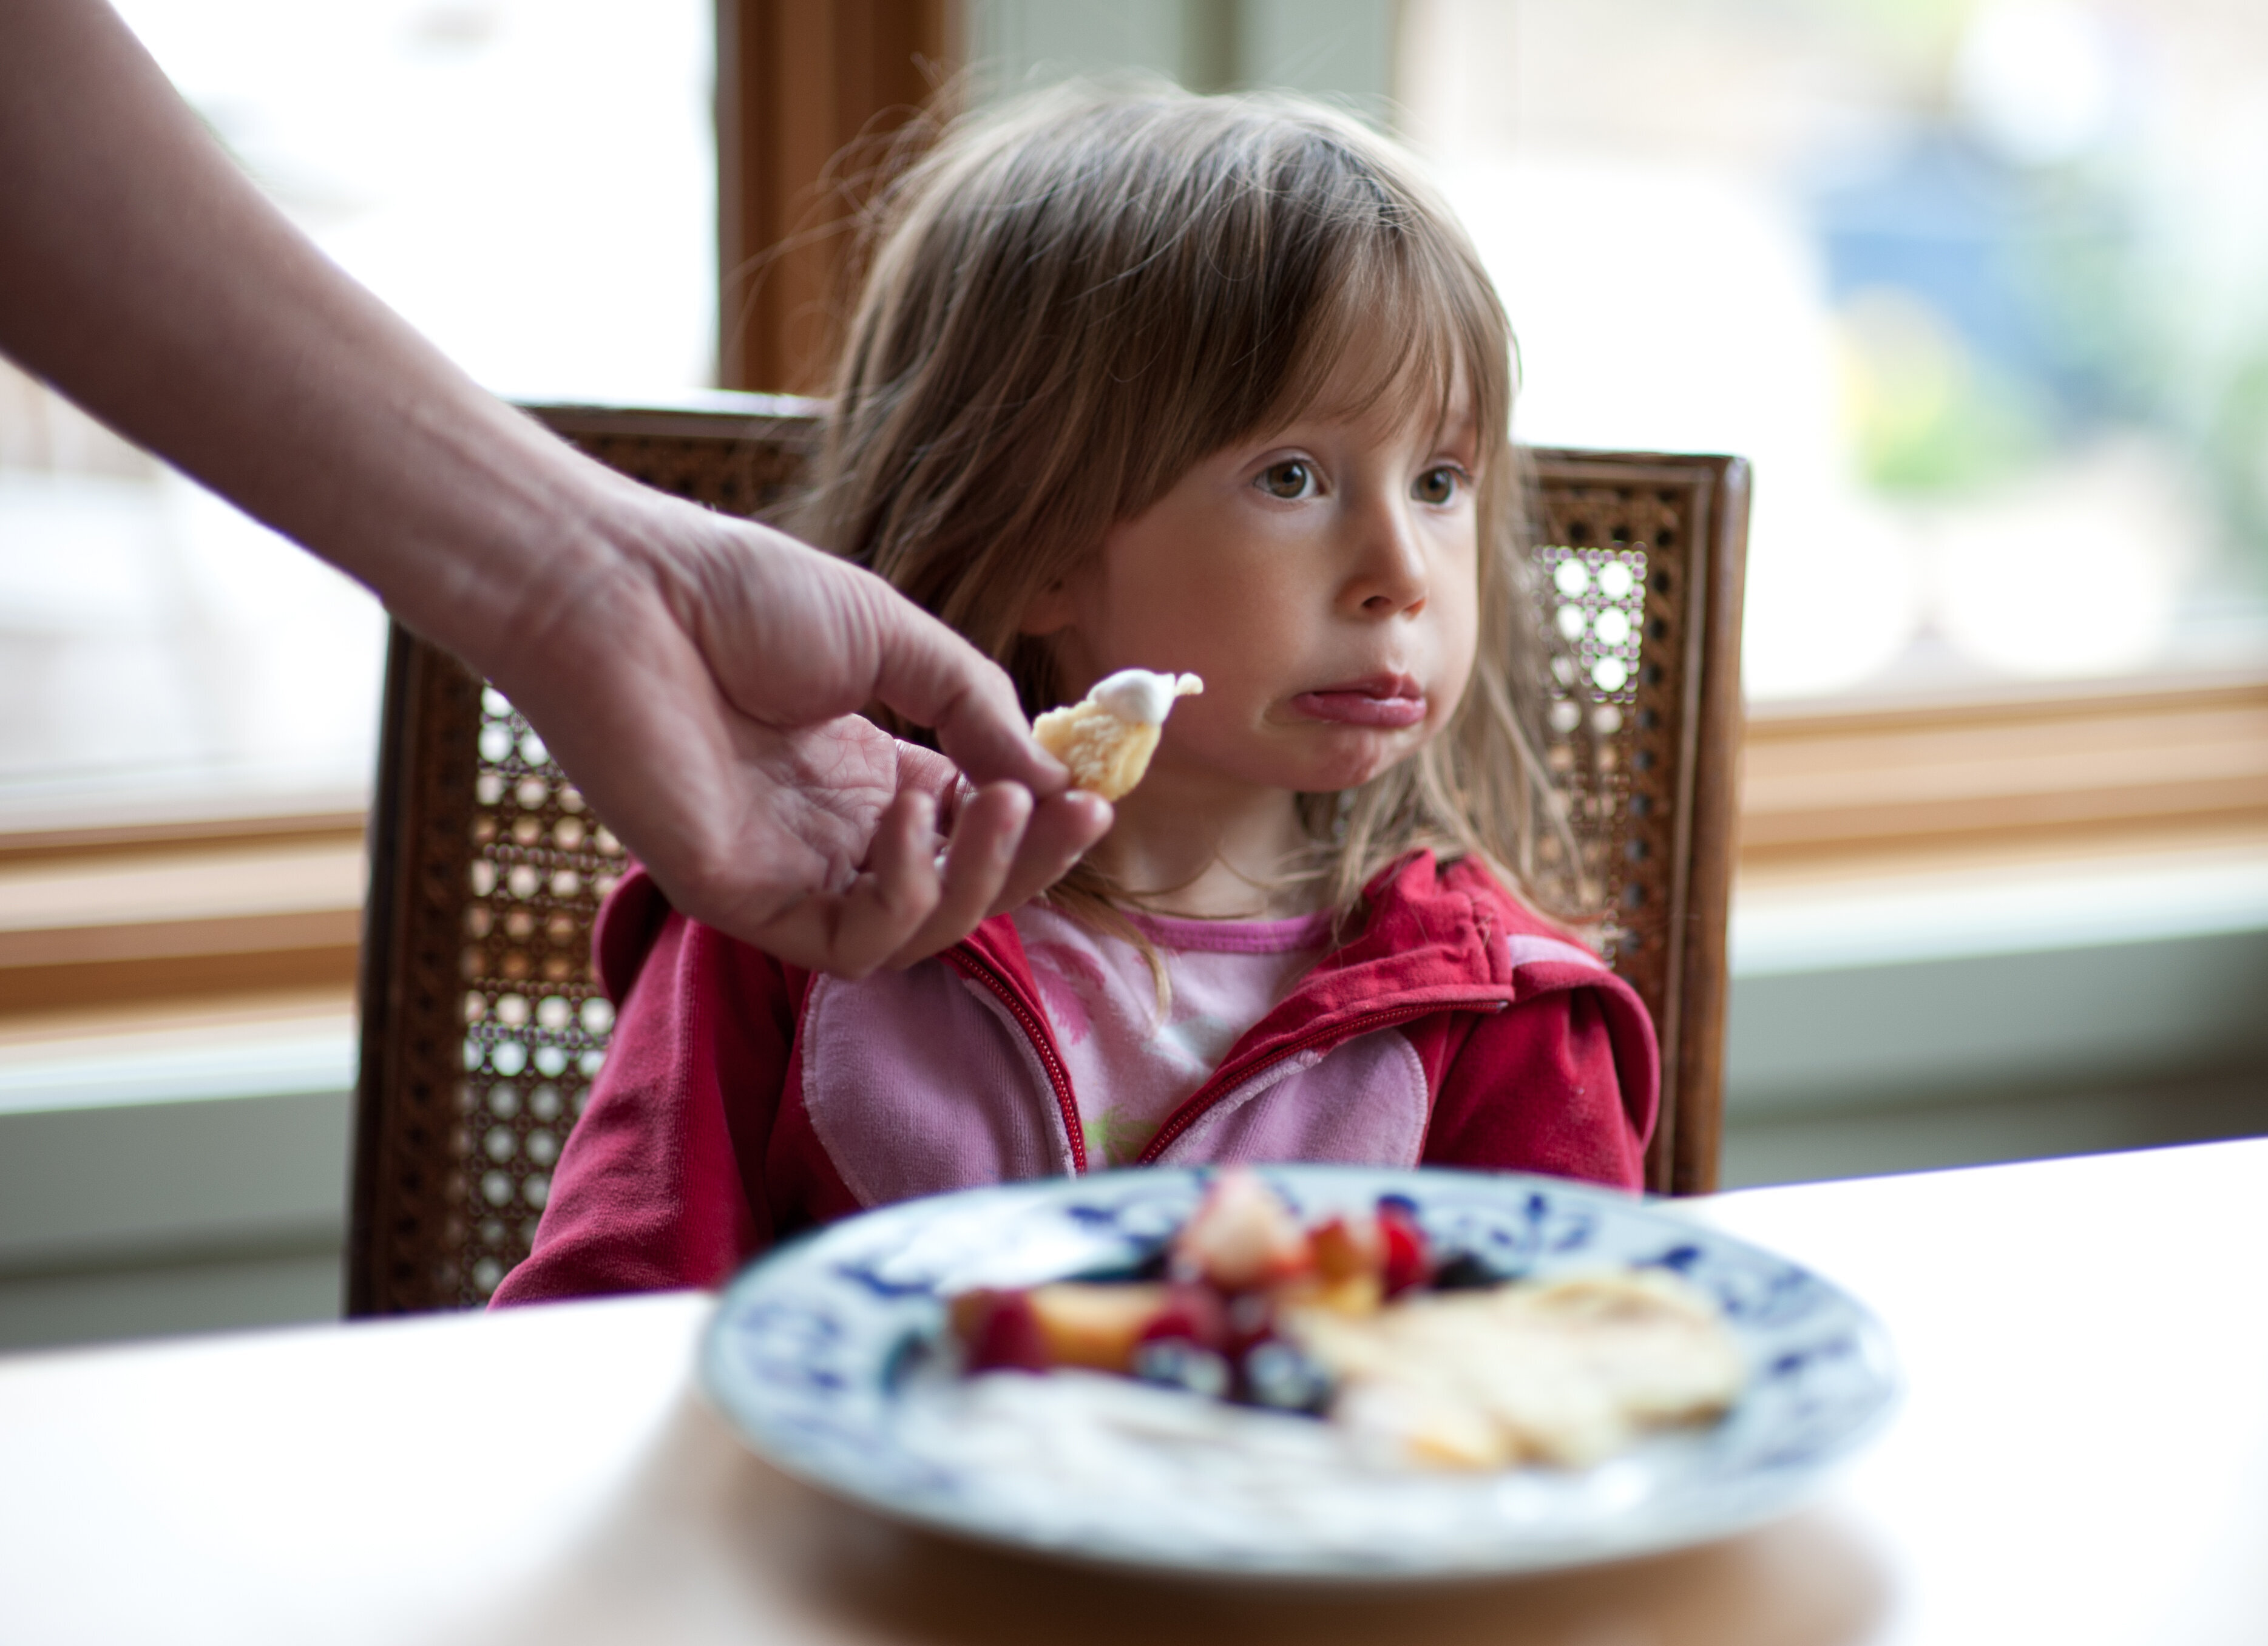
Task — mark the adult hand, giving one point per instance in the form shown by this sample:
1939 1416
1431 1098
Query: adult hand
698 676
705 692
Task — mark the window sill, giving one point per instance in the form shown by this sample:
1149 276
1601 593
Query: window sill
1846 792
168 915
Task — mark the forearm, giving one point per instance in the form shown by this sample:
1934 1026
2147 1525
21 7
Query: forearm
144 276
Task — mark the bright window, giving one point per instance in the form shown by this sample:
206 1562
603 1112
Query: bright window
532 183
1977 283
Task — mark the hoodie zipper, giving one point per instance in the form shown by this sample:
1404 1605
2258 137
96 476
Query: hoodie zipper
1223 1081
1201 1102
975 966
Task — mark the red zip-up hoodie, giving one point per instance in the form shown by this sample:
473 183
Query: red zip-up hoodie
744 1099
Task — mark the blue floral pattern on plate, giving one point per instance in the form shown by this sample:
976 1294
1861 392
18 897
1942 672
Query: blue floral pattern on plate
820 1356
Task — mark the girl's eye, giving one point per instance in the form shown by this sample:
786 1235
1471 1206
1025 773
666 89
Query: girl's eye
1436 485
1288 480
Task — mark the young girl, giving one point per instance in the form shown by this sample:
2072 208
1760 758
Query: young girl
1183 384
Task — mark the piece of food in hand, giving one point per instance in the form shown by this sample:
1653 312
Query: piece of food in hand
1240 1237
1106 739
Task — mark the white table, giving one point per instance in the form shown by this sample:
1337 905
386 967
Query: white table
2083 1458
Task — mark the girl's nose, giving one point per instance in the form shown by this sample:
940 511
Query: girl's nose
1390 578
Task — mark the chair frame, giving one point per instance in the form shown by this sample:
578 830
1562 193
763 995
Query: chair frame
1688 759
486 870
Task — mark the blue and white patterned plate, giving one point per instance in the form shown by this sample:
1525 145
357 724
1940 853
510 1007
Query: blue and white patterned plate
825 1356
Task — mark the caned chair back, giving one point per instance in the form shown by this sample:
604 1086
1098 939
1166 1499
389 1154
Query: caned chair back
482 1023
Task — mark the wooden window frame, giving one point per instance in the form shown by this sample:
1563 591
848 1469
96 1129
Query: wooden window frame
1843 789
808 97
165 918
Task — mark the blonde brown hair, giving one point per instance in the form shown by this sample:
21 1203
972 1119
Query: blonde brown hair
1069 303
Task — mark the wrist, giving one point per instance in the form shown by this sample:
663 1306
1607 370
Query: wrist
524 533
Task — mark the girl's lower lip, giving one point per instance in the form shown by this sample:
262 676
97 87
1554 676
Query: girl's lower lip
1359 708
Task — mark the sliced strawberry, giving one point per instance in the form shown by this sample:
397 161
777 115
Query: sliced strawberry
1191 1313
998 1330
1408 1256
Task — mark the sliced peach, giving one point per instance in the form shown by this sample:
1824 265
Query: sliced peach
1094 1324
1347 1248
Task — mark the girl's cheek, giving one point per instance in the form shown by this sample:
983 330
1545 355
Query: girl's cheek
1460 642
1464 637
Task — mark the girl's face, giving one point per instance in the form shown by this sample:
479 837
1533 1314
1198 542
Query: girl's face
1322 577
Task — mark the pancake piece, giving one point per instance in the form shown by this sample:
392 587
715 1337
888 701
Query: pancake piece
1567 1371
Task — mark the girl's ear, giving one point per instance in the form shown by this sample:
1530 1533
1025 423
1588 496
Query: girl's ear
1048 612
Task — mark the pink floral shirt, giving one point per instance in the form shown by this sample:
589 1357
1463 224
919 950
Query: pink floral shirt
1130 1065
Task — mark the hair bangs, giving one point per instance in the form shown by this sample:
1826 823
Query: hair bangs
1303 271
1406 334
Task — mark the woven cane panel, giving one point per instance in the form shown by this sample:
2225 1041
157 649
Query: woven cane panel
535 1022
1610 567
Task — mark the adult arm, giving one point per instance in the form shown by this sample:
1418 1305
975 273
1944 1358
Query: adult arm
699 677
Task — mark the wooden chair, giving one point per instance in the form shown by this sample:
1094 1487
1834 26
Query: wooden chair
482 1023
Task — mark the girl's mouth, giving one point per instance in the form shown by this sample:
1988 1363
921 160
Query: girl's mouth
1388 701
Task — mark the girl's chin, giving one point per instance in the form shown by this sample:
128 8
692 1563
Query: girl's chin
1304 757
1353 756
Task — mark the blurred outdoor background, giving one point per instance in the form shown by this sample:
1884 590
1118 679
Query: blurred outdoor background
1980 287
